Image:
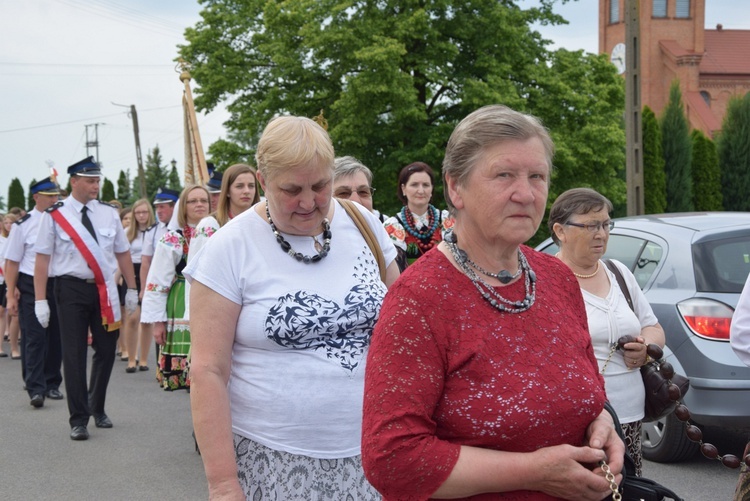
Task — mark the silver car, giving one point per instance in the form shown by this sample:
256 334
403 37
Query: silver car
691 267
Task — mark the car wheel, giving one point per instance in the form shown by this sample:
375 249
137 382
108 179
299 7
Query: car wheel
665 441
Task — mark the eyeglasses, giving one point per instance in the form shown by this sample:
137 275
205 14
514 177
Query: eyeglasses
594 227
202 201
346 192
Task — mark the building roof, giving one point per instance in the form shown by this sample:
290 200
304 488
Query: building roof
726 52
697 105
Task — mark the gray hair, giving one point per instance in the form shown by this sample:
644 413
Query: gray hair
485 127
348 166
575 201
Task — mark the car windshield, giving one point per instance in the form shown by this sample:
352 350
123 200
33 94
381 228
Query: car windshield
722 265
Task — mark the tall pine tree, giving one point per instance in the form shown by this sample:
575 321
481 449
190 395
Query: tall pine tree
108 191
124 194
706 173
733 145
677 151
16 197
30 201
654 178
174 178
156 173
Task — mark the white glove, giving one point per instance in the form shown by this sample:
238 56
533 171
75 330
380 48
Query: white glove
41 310
131 300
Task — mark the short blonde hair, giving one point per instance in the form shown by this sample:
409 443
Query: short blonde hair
182 211
290 141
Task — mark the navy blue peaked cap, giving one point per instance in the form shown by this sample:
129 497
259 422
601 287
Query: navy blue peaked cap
86 167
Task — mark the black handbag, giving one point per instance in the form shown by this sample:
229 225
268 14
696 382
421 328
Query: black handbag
658 375
634 488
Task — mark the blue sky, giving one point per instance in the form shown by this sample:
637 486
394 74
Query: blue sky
63 63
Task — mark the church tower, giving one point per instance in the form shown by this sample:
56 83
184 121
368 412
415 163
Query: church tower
675 45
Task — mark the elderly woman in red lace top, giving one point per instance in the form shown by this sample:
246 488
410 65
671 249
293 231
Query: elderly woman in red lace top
481 380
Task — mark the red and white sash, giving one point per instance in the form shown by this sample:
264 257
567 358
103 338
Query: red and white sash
104 276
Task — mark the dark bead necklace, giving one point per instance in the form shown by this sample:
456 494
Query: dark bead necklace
424 233
287 247
487 291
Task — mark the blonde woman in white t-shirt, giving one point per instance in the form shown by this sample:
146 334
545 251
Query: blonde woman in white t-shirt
283 302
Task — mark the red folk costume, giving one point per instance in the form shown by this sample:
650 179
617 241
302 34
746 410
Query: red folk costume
446 369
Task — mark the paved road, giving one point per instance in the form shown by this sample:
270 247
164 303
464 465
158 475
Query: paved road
148 455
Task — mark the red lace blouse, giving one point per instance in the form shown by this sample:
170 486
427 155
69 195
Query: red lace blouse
446 369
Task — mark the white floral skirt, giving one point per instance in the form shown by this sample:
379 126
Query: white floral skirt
267 474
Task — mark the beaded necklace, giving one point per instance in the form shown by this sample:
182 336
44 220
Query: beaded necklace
287 247
487 291
410 226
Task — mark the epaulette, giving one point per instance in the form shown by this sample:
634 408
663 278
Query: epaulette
152 227
24 218
54 207
108 204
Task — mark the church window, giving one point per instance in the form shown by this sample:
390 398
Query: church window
683 9
614 11
706 97
659 8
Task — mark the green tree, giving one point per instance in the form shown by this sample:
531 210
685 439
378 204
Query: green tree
677 151
30 201
706 174
393 80
108 191
124 195
733 145
173 182
2 203
156 173
654 178
16 198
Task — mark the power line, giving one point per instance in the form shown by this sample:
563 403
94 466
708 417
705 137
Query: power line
124 15
81 120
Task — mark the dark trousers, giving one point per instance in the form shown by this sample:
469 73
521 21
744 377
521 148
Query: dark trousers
40 348
78 311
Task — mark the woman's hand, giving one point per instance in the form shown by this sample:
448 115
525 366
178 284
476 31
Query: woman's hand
228 491
574 473
160 333
635 353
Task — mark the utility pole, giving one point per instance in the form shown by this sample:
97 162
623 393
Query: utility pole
141 173
633 119
95 142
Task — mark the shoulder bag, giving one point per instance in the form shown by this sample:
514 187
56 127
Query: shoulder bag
369 236
657 375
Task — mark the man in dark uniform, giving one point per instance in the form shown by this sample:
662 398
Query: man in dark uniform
40 346
214 188
81 241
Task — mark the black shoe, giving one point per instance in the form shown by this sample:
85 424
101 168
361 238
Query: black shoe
130 370
37 400
102 421
143 367
79 433
3 354
55 395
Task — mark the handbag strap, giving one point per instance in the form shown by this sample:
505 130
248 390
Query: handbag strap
367 233
620 281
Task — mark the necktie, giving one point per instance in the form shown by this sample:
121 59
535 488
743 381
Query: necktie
87 222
